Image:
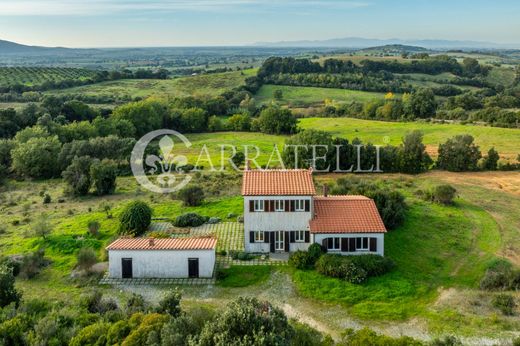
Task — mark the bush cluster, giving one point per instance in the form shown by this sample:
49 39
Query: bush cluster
190 220
354 269
501 275
306 259
505 303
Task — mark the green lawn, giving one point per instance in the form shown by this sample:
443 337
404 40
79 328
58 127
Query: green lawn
242 276
200 85
294 96
506 141
437 246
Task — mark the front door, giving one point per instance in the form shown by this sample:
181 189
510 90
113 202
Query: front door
279 240
193 267
126 265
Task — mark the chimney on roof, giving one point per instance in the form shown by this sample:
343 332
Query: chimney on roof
325 190
248 165
151 242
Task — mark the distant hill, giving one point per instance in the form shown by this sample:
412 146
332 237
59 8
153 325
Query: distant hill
359 42
8 47
394 49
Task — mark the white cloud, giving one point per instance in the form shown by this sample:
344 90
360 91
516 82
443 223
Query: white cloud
96 7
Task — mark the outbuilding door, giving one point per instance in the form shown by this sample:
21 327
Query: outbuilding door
193 267
126 268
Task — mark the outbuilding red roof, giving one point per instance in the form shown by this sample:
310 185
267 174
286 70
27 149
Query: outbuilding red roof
276 182
206 243
346 214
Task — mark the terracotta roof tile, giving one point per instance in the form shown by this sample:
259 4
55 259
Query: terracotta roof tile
206 243
292 182
346 214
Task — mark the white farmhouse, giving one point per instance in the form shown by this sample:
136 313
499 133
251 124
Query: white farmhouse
162 258
282 213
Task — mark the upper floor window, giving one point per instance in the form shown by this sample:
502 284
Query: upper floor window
362 243
299 205
259 205
279 205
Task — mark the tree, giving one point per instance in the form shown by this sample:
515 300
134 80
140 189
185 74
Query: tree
77 175
193 120
248 321
42 227
8 293
413 157
171 303
299 148
275 120
77 111
239 158
135 218
491 160
459 154
104 175
192 195
391 206
37 158
145 116
239 122
422 103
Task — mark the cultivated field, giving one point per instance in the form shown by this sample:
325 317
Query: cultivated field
38 75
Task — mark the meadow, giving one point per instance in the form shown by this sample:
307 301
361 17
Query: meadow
199 85
294 96
506 141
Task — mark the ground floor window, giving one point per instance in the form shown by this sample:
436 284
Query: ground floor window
259 236
299 236
333 244
362 243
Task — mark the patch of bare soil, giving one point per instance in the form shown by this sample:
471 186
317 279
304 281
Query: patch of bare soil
500 181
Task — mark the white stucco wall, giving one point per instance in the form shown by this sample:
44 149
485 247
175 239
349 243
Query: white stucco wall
318 238
275 221
161 263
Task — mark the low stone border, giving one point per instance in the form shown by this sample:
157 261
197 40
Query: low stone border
157 281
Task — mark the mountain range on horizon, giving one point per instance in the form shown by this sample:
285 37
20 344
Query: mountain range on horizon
9 47
360 42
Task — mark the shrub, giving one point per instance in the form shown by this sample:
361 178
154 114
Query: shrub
448 340
300 260
497 276
459 154
367 336
86 258
93 302
135 218
93 334
32 263
491 160
93 227
514 281
315 251
135 303
516 342
330 265
170 304
374 265
77 175
353 273
239 158
444 194
240 255
192 195
189 220
8 293
505 303
46 199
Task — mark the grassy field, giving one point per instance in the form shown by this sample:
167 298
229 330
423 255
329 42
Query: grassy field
200 85
38 75
294 96
506 141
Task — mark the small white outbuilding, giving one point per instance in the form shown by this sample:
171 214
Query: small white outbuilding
162 258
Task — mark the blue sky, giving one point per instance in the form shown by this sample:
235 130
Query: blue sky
116 23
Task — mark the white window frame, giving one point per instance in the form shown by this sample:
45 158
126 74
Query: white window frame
334 248
279 205
362 247
299 236
259 205
259 236
299 205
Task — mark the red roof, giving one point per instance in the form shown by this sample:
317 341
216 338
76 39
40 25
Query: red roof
289 182
206 243
346 214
